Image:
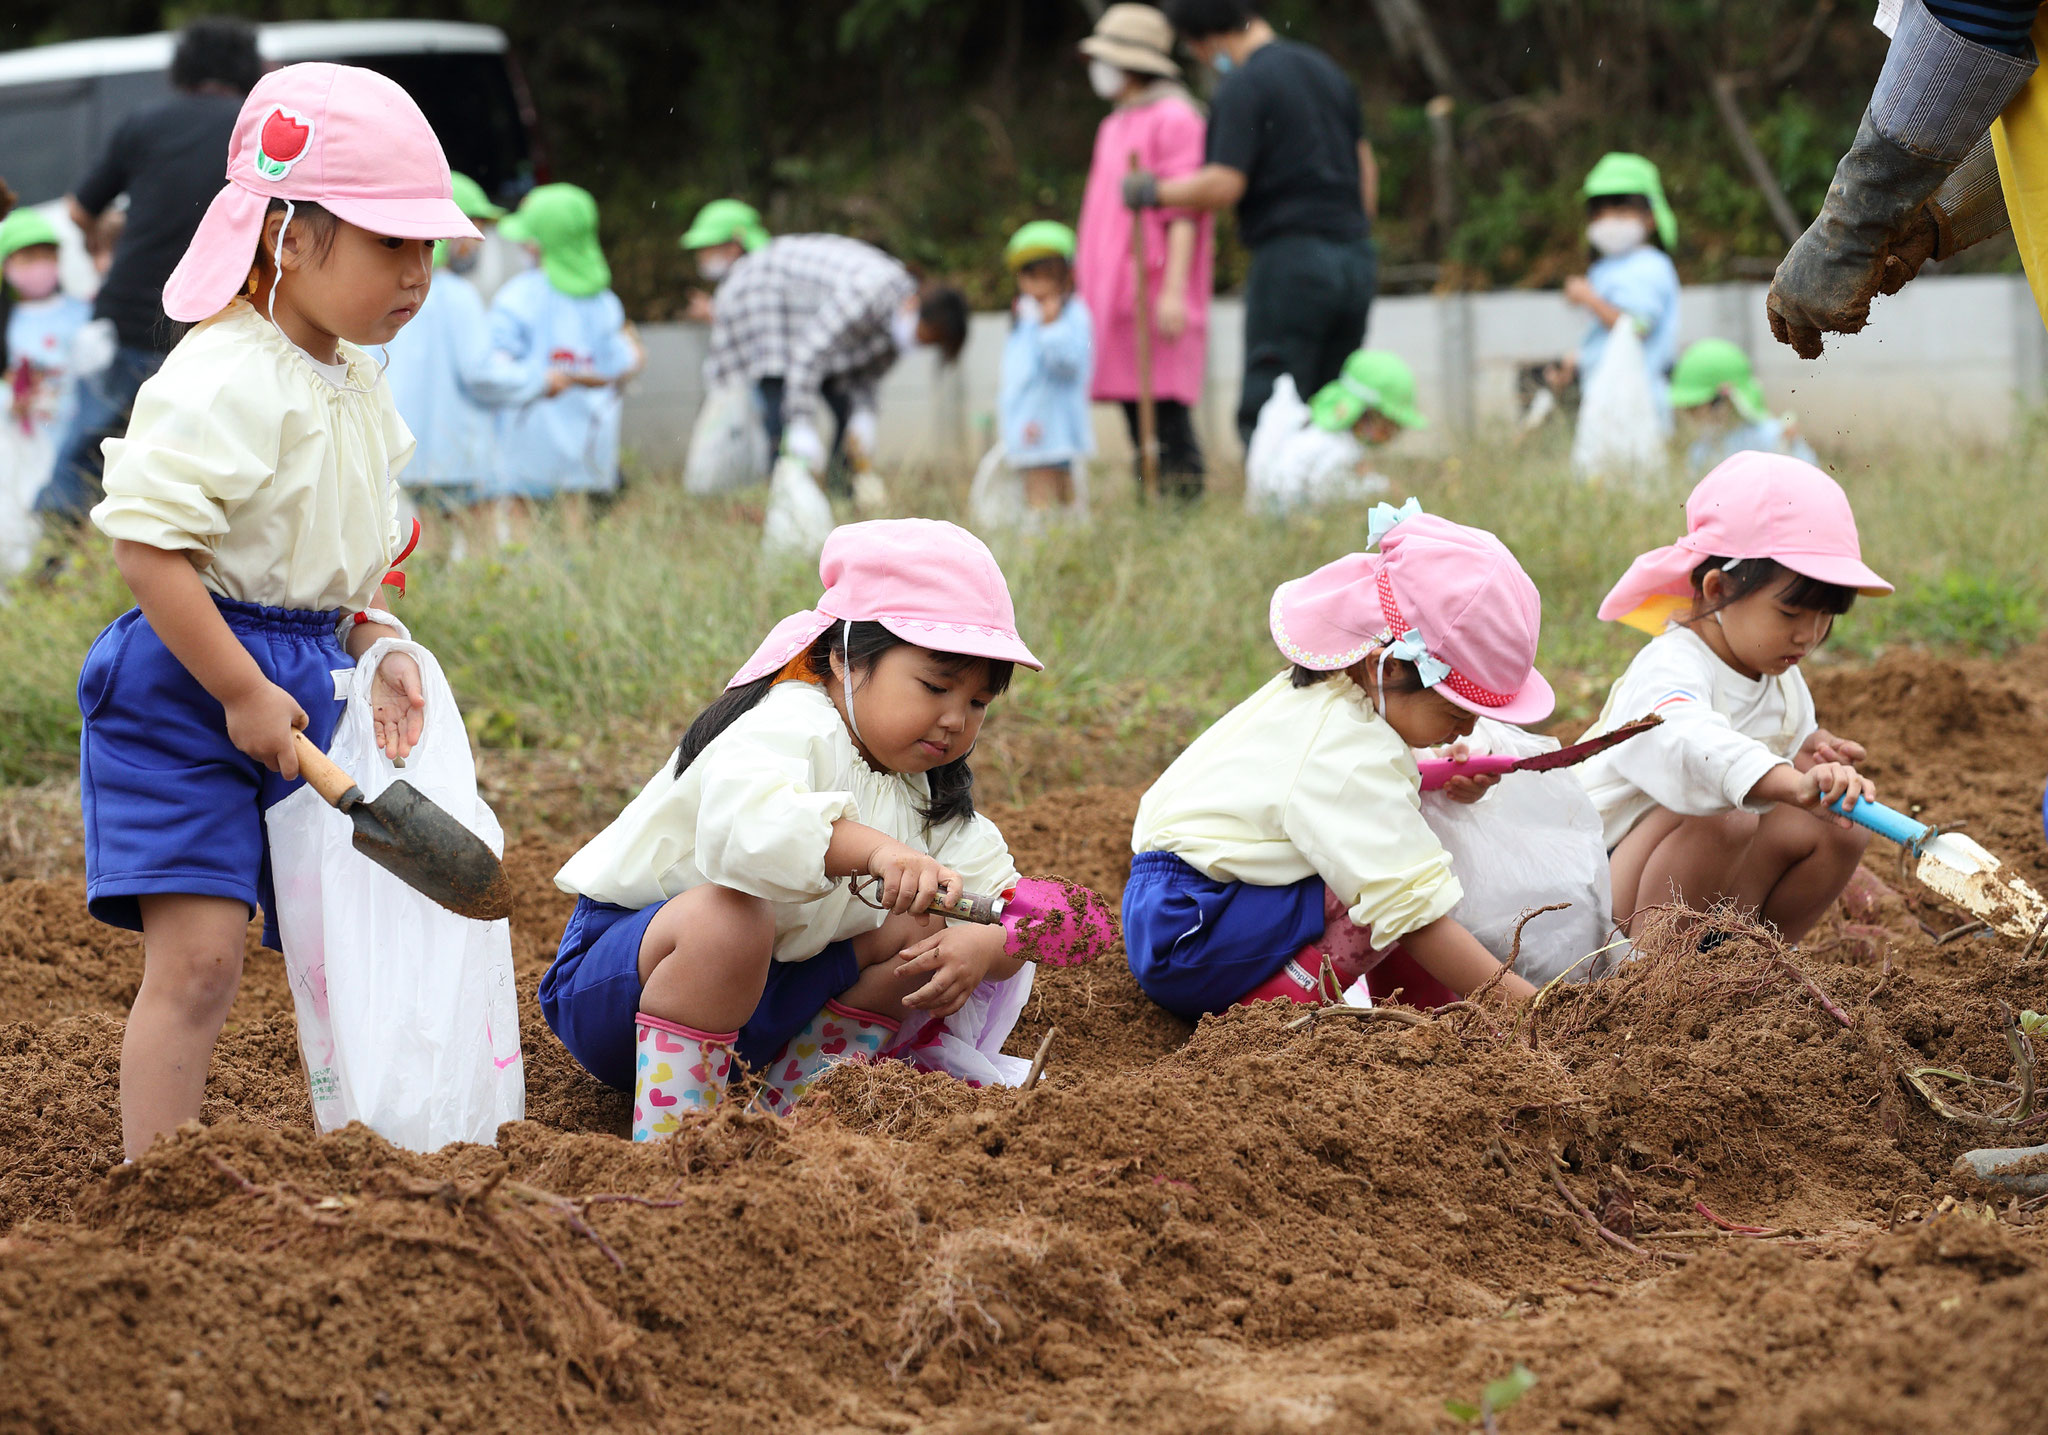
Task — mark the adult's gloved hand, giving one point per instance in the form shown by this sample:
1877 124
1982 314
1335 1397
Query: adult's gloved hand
861 428
801 442
1141 189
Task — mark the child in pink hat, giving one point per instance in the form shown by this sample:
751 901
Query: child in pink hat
1291 832
1721 803
714 917
253 515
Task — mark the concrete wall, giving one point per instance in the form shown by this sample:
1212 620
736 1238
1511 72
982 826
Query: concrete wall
1958 355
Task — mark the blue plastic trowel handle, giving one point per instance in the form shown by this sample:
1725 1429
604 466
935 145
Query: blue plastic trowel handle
1885 822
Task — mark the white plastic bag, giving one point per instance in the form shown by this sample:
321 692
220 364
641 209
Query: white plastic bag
1533 840
729 445
799 514
1619 434
408 1021
25 461
1291 466
969 1043
996 502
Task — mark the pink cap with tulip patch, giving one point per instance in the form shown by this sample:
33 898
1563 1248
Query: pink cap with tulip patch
347 139
1751 505
1451 600
929 582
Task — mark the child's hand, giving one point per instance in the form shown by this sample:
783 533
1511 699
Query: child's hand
261 723
1834 781
1579 290
959 959
398 705
1824 746
910 878
1049 306
1468 788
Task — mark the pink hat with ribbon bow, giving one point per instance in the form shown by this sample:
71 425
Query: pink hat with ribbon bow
928 582
1451 600
1750 505
347 139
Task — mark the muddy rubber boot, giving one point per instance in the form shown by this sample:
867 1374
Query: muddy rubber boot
838 1033
677 1069
1935 99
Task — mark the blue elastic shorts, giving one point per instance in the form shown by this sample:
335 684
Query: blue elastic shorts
170 804
591 993
1196 945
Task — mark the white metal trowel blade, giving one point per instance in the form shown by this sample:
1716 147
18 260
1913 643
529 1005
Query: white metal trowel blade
1962 871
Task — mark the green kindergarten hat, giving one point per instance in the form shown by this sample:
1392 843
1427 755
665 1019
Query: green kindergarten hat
1040 239
1372 379
1711 368
1619 172
471 199
562 220
724 220
23 229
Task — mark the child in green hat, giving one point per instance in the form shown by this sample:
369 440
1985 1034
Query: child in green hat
1719 402
1630 231
1303 455
724 232
562 315
1048 360
39 324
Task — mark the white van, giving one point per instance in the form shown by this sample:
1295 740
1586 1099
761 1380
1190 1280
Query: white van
59 103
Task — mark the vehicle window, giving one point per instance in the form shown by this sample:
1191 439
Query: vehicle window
48 135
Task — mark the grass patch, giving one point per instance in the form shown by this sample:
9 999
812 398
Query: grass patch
617 626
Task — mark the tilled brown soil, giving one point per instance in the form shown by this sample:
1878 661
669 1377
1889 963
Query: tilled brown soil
1241 1226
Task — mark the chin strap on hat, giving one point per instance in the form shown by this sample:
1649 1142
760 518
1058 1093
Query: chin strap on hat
846 661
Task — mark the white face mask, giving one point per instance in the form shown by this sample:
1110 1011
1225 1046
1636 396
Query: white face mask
714 266
903 329
1617 234
1105 79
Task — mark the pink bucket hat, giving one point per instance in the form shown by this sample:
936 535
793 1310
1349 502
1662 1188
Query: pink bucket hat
1450 599
345 138
928 582
1752 505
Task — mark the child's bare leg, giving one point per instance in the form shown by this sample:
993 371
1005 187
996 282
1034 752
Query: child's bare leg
704 959
1797 867
1048 487
879 989
1694 859
191 966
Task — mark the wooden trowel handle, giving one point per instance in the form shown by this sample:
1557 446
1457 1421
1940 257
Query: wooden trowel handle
319 770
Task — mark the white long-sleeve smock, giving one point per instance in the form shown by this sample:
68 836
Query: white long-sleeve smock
754 813
450 382
1721 733
1306 782
275 476
569 443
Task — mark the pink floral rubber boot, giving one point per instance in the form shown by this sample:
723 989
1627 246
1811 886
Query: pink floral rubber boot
838 1033
678 1069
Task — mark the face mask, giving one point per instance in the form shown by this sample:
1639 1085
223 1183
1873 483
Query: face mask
903 329
32 278
462 258
1617 233
1223 64
714 267
1105 79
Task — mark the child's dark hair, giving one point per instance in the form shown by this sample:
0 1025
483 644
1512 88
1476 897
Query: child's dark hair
1596 203
952 786
1753 575
943 309
1054 267
1199 19
319 226
1400 676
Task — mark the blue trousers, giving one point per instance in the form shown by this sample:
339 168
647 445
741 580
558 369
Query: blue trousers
105 400
1196 944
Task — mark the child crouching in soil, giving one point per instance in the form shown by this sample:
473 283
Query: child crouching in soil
1291 831
254 517
1722 802
714 916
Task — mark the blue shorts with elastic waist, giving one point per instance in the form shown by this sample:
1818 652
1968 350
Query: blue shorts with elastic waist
171 805
591 994
1196 944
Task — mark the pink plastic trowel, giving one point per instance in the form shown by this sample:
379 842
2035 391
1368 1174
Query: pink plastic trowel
1047 920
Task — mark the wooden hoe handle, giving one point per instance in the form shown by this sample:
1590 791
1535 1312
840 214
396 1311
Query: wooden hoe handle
319 770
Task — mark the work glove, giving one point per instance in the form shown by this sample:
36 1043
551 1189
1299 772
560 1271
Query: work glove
1968 209
1935 99
800 441
861 427
1141 190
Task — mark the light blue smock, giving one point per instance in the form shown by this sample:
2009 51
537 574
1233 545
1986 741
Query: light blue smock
450 384
1643 284
1042 400
40 334
1768 436
569 443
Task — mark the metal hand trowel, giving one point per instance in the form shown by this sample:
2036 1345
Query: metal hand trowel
1956 868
